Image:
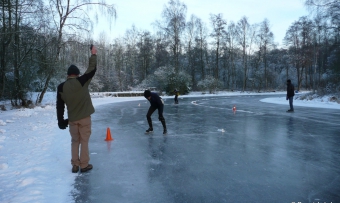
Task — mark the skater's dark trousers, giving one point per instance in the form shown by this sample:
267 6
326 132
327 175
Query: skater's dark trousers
291 103
150 112
176 99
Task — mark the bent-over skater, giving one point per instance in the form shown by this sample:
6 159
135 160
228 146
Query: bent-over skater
156 102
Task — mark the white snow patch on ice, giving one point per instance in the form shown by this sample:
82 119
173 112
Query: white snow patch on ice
26 182
3 166
317 103
221 130
2 123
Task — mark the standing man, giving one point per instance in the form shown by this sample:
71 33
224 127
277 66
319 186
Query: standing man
156 102
290 95
176 92
75 94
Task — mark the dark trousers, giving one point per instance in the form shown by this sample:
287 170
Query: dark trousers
291 103
176 99
160 116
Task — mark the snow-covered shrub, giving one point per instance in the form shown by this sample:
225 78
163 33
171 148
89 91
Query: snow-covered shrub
209 83
166 79
146 83
328 85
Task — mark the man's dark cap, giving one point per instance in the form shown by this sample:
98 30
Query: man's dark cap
73 70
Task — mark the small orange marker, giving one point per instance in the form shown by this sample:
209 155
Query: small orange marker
108 135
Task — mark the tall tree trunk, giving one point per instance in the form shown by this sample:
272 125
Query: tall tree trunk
6 40
217 61
52 70
202 60
16 59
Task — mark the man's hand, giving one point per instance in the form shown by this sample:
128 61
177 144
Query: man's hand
63 124
93 50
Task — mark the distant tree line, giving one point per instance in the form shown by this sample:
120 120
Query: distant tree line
39 41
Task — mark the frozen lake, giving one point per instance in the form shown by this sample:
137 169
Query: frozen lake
264 154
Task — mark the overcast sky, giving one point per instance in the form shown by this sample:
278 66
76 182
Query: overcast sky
142 13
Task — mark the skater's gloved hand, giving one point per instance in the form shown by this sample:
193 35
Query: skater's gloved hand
63 124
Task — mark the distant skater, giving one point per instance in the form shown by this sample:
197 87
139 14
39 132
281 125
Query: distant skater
156 102
176 92
290 95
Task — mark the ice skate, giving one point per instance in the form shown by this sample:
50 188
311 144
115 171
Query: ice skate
150 130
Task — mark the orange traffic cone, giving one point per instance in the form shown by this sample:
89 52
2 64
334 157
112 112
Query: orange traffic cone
108 135
234 108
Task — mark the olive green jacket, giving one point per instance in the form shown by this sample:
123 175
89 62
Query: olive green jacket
75 94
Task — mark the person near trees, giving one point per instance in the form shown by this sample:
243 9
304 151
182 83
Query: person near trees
75 94
176 92
156 102
290 95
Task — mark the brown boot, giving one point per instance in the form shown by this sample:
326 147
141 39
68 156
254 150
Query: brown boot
75 169
87 168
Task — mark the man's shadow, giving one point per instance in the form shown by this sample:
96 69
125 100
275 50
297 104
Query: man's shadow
81 190
157 151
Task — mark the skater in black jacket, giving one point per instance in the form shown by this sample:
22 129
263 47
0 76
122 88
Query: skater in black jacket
290 95
156 102
176 92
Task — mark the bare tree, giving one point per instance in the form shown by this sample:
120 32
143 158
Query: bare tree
320 38
218 24
131 40
306 32
292 39
18 38
298 36
162 55
72 17
146 54
201 44
266 42
243 30
119 61
328 9
6 38
190 39
231 39
174 17
327 38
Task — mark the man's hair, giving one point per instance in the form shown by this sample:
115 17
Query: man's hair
147 93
